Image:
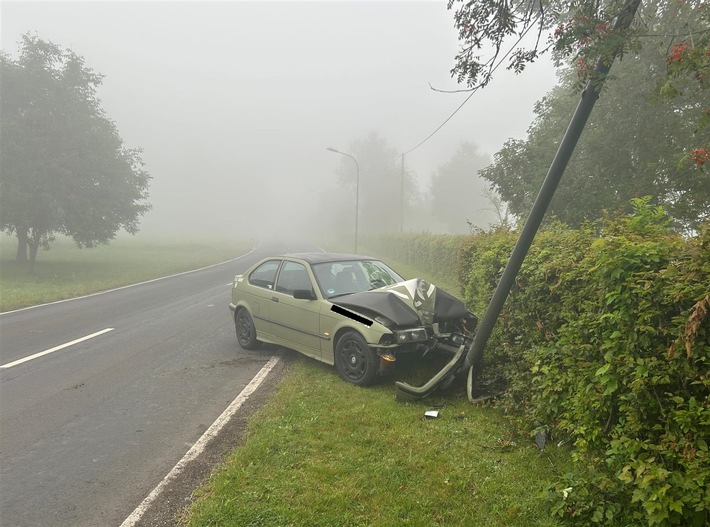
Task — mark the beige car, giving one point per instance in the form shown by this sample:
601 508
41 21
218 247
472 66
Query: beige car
350 311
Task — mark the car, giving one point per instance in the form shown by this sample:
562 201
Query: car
350 311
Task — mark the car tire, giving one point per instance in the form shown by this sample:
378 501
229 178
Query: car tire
354 359
246 331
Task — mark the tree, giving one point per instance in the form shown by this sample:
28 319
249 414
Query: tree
458 195
65 169
386 193
633 146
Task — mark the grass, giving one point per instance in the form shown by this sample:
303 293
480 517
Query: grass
66 271
325 453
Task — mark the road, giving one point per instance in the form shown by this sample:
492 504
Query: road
88 430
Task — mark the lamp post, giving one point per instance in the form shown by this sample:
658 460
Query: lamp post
357 187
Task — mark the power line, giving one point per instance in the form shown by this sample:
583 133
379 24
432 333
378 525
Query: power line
475 89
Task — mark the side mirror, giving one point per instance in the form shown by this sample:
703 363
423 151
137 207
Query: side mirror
304 294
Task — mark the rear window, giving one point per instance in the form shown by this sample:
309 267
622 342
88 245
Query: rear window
265 274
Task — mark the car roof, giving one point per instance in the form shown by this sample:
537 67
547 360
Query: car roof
316 258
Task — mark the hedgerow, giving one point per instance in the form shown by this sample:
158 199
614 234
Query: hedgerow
604 342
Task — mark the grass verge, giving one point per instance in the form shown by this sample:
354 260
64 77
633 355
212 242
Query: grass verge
326 453
66 271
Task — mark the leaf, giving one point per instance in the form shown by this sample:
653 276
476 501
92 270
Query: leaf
603 369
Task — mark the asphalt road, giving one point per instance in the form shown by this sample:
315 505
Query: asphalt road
88 430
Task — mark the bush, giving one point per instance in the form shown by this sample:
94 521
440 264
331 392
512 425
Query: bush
605 339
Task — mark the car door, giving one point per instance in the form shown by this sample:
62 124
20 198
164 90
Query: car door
296 322
261 287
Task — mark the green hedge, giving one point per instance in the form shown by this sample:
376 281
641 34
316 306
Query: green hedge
423 250
605 343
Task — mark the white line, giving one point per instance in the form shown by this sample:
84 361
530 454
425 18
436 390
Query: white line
199 447
57 348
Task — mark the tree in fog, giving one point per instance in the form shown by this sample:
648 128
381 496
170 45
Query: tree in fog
65 169
649 132
458 196
634 145
384 189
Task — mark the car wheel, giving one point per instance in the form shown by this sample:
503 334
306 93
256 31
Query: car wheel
246 332
355 361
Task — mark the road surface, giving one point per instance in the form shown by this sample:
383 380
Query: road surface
113 390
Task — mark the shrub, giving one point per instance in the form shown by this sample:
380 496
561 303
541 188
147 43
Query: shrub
605 339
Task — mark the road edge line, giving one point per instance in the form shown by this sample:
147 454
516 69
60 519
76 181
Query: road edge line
201 443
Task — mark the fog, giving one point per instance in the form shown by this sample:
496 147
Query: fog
234 103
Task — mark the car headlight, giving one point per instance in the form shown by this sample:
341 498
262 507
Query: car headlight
411 335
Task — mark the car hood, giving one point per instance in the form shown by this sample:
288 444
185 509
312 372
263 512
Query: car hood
408 303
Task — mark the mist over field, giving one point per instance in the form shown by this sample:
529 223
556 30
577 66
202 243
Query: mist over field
235 103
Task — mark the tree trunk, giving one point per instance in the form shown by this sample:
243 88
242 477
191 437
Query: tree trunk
34 246
21 245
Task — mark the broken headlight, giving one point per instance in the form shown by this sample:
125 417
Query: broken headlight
411 335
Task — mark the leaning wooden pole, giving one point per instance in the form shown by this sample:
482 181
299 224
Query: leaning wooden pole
474 356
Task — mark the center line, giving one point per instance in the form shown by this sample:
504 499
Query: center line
47 352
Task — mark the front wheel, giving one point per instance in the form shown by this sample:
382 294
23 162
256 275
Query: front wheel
246 331
354 360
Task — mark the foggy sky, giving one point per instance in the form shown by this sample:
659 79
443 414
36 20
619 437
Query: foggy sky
234 103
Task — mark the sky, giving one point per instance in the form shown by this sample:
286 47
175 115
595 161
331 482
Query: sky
234 103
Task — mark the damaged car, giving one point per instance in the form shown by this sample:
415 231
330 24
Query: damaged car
350 311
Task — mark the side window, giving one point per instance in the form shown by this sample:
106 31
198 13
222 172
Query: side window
293 276
265 274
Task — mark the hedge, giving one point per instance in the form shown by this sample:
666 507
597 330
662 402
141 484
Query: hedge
604 342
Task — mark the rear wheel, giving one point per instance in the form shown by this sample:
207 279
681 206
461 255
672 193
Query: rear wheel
246 331
355 361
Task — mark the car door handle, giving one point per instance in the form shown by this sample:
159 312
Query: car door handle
274 299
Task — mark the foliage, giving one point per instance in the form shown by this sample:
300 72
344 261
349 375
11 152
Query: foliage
648 135
581 31
632 146
427 251
65 168
605 343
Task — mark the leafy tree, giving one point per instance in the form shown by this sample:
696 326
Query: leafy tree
65 168
633 145
458 195
386 194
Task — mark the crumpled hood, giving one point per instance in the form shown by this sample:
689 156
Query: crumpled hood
408 303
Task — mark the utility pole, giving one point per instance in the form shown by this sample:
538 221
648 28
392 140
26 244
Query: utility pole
590 95
401 204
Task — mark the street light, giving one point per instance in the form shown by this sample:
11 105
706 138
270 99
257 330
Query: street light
357 186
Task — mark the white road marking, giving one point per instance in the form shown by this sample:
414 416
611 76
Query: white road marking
199 447
57 348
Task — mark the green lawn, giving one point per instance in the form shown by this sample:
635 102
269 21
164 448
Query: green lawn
66 271
326 453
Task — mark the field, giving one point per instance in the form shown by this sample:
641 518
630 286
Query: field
66 271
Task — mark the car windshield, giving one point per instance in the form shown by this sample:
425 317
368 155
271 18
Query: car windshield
342 278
